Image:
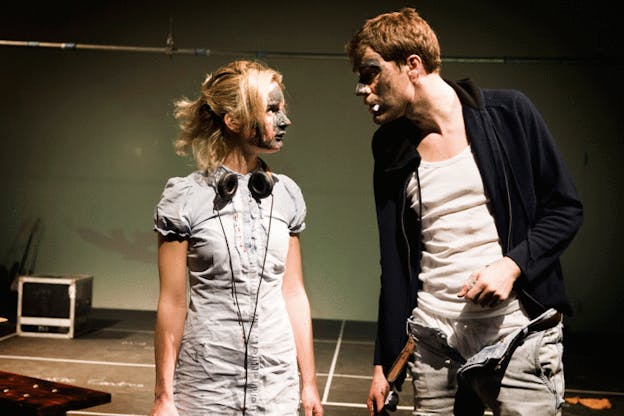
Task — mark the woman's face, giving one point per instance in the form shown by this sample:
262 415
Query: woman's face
275 122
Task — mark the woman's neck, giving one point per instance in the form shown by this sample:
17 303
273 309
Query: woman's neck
241 163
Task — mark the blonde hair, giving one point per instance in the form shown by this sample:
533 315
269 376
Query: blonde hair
239 89
395 36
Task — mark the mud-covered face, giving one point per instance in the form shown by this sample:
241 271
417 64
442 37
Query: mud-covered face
384 86
275 121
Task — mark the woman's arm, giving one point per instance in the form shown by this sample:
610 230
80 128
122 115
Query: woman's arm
169 321
299 312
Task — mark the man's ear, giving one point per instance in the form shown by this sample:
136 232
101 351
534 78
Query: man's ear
414 65
414 61
231 123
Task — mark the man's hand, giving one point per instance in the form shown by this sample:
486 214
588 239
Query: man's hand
378 391
492 284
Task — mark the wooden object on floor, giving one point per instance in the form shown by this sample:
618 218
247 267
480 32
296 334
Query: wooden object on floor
28 396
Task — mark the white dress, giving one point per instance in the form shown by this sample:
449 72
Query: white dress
210 371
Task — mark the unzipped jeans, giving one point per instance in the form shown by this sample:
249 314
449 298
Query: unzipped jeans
513 366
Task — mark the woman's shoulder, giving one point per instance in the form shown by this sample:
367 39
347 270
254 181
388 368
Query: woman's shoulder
186 188
184 184
288 184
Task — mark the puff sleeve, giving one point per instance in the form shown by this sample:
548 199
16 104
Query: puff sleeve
171 215
296 221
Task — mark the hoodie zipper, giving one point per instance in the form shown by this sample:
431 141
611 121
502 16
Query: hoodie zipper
403 199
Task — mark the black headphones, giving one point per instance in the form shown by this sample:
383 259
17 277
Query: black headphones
260 185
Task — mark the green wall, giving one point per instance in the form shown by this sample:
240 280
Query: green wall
86 136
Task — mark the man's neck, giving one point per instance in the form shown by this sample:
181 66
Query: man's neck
441 120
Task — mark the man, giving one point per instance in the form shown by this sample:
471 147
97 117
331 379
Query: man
474 208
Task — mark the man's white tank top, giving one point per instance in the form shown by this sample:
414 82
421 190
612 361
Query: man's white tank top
459 235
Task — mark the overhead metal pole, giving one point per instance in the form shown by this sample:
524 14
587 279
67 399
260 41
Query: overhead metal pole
170 50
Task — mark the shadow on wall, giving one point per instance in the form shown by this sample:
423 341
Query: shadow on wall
137 247
19 260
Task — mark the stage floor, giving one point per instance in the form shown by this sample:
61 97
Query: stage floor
117 356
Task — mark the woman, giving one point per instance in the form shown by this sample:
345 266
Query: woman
233 227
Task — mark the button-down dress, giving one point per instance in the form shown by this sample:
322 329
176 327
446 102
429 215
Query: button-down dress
228 274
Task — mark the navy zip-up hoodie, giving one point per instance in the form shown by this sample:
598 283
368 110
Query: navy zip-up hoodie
534 202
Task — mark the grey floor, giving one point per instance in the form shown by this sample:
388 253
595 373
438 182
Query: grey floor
116 356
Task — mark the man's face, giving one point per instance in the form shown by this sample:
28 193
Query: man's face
384 86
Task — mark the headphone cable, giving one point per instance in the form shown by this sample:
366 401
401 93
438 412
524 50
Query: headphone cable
247 335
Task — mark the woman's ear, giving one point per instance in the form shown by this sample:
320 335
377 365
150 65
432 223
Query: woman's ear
231 123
